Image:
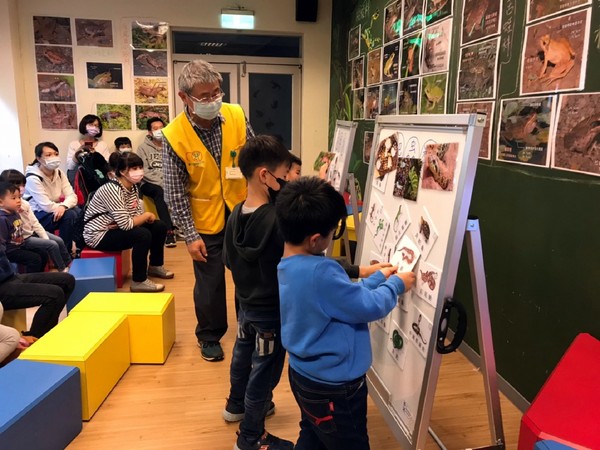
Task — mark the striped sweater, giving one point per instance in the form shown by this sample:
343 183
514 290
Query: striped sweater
112 206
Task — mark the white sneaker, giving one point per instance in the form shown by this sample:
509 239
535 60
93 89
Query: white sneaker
160 272
146 286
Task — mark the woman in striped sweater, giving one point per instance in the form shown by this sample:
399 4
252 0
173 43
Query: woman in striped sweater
115 220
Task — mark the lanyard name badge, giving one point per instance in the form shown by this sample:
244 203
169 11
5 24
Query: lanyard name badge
233 172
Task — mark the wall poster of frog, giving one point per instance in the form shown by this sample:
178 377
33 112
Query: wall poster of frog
114 117
436 10
481 19
437 43
104 75
477 73
555 54
537 9
408 96
145 112
433 94
486 108
525 130
149 35
94 33
577 136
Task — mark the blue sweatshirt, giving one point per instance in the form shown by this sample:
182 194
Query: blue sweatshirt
324 317
6 268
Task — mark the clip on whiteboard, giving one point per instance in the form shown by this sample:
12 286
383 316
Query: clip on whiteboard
461 329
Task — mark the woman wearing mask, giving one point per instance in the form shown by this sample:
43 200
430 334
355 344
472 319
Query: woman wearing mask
50 195
90 128
115 220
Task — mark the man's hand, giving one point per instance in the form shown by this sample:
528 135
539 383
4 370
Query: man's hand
60 211
197 250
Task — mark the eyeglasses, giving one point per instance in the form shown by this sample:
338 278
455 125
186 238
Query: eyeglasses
208 99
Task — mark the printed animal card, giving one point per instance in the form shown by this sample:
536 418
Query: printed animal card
54 59
433 94
481 19
389 99
400 223
367 145
375 211
384 322
52 30
392 24
436 47
374 66
439 166
375 258
354 43
420 331
537 9
525 129
358 73
397 344
577 137
428 282
334 174
406 256
436 10
372 102
386 157
56 88
408 174
411 55
391 61
413 15
94 32
150 63
388 251
486 108
322 159
555 54
358 104
380 183
404 300
426 234
381 230
477 74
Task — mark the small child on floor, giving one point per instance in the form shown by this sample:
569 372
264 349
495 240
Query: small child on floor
35 237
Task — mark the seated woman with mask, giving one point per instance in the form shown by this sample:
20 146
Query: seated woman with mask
90 128
51 196
115 220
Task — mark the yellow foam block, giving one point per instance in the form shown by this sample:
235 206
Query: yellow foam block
15 318
151 321
98 344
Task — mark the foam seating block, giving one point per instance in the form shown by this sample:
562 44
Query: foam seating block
15 318
98 344
551 445
151 321
91 275
123 261
149 205
566 409
40 405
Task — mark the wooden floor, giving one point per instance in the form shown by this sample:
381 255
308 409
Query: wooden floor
178 405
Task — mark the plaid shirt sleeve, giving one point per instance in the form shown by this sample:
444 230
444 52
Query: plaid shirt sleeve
176 181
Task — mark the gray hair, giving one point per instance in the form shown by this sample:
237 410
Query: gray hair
197 72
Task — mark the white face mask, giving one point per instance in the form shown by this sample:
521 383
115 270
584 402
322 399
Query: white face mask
124 149
157 134
52 162
92 130
207 111
135 176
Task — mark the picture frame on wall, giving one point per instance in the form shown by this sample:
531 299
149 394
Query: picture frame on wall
354 43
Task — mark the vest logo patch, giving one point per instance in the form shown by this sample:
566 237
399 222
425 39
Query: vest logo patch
194 158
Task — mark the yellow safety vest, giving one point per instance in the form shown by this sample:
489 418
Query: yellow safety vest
209 189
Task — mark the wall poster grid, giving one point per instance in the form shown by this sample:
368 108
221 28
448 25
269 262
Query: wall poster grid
408 72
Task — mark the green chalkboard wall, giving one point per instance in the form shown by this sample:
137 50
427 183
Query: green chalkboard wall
540 227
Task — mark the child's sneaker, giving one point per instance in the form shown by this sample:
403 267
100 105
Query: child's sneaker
266 442
146 286
160 272
171 240
235 413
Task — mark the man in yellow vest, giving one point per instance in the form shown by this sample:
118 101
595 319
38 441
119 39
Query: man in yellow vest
202 184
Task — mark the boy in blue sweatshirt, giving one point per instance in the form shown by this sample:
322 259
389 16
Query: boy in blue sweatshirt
324 317
252 248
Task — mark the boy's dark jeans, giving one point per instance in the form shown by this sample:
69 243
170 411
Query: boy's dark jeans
256 368
333 416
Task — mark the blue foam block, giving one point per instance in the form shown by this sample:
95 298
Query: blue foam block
40 405
551 445
92 275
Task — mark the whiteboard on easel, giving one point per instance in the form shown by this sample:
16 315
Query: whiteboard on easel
339 157
414 216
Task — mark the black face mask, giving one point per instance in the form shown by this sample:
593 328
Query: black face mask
272 192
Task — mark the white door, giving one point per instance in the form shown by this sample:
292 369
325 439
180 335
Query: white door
270 95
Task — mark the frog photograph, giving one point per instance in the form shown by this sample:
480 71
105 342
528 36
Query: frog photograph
433 94
56 88
477 73
481 18
114 117
104 75
553 54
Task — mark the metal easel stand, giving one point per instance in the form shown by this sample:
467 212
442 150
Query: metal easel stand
484 334
354 204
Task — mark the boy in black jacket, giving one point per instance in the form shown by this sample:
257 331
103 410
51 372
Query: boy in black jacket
252 249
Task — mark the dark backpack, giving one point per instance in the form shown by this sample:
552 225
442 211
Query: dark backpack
92 172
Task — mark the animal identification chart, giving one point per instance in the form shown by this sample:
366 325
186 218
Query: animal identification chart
341 149
417 199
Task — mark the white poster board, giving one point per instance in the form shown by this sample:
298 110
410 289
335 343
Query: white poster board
341 147
415 211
